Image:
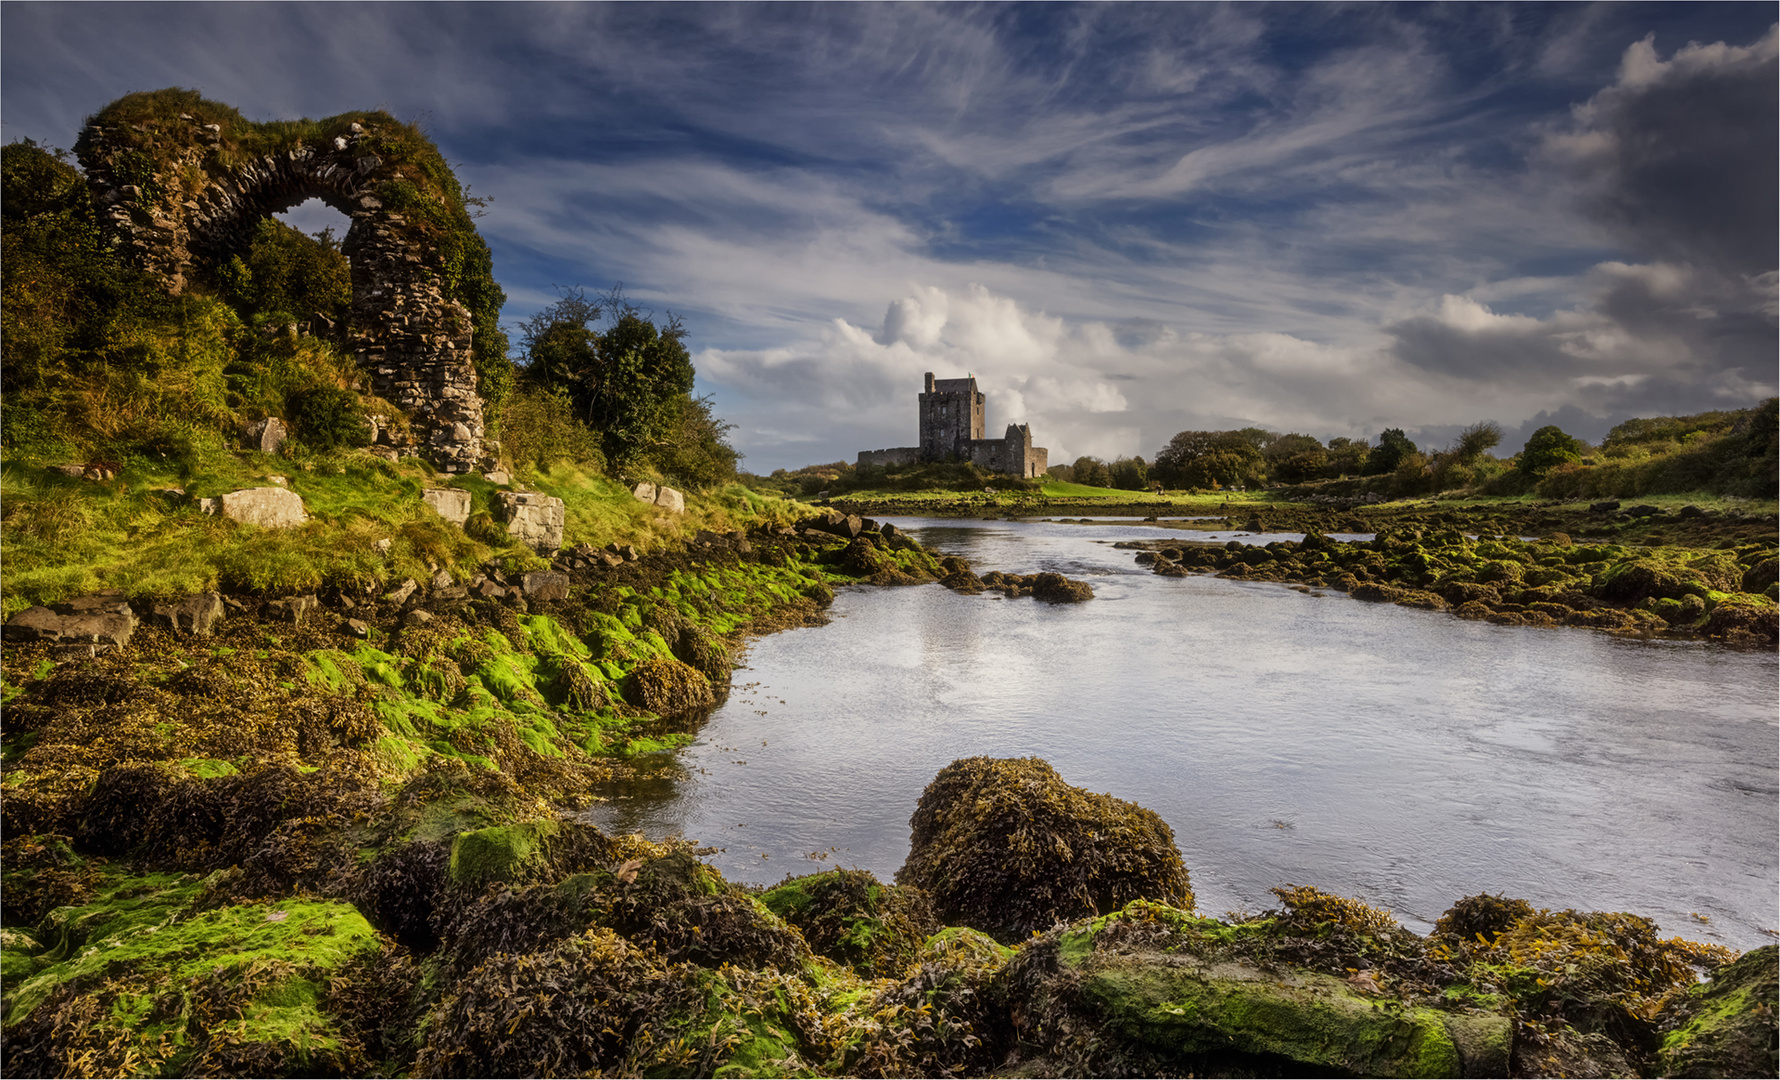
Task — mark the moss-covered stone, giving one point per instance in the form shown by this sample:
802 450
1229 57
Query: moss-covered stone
501 853
147 980
1725 1027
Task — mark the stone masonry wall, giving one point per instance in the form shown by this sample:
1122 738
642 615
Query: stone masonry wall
166 201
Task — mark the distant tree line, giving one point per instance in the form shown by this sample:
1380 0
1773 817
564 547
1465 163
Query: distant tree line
1727 452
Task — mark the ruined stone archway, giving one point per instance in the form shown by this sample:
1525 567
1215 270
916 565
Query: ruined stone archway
181 183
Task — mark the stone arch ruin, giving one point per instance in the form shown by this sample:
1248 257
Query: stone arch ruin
176 192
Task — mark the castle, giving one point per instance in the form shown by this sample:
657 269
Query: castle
952 430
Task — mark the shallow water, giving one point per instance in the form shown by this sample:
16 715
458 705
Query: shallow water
1401 756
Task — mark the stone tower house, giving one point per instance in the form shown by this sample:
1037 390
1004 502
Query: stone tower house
952 417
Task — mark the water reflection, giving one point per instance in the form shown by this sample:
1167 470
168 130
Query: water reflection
1404 756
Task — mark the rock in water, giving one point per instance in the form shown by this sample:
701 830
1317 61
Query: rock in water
1005 846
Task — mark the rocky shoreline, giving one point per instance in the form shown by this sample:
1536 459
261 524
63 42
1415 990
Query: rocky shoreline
1724 595
338 835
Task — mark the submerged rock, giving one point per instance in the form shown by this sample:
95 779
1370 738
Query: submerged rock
1005 846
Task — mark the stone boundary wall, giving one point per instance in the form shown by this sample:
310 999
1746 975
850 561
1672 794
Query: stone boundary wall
901 455
171 205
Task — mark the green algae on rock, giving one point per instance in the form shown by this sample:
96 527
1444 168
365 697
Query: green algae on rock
1725 1027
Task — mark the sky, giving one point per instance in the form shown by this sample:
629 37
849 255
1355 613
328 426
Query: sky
1124 220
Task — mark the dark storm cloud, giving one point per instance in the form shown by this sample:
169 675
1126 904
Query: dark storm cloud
1681 158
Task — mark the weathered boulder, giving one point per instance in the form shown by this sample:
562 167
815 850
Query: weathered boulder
267 507
835 523
267 435
292 608
1005 846
545 585
453 504
194 615
660 495
401 593
1725 1027
535 520
105 628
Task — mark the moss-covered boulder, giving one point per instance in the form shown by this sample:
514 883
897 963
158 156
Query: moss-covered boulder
501 853
1005 846
1725 1027
1153 990
854 919
668 686
148 978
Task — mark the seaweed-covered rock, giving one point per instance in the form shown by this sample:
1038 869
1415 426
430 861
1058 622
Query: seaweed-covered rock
949 1017
1005 846
594 1003
669 687
1749 620
854 919
1057 589
1640 579
1481 919
1725 1027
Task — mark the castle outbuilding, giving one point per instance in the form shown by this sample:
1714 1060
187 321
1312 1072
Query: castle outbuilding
951 415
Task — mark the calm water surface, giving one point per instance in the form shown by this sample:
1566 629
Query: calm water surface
1401 756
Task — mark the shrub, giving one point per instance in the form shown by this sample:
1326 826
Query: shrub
328 418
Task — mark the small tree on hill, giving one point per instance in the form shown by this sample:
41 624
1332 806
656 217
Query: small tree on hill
1393 446
1547 449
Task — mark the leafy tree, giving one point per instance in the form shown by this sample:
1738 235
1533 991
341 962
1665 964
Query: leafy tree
1300 467
289 275
699 454
1129 474
1208 458
1347 456
1547 449
1393 446
1476 440
1091 472
627 382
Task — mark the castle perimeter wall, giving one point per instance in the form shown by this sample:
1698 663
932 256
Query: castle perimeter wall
900 455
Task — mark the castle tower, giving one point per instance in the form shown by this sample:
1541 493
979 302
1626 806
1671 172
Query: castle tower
951 418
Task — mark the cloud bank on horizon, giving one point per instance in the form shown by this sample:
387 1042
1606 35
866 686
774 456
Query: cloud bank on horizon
1124 220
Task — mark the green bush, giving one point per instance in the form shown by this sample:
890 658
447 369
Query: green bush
327 418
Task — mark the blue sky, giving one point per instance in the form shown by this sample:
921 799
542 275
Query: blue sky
1125 220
